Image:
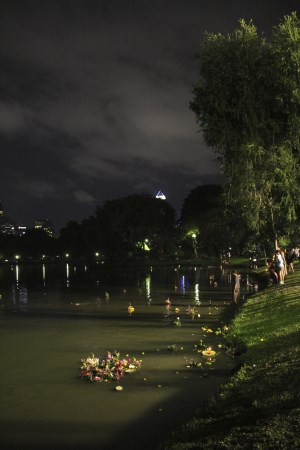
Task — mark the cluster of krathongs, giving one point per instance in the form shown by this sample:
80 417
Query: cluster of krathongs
110 368
207 351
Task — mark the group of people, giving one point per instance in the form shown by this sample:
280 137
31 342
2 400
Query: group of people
283 263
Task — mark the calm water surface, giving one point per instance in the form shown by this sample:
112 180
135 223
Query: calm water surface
52 316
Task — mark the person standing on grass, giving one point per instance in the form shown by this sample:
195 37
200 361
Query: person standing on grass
279 263
273 274
236 285
290 258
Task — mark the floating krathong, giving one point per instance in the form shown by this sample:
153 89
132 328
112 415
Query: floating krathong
130 309
208 352
207 330
111 368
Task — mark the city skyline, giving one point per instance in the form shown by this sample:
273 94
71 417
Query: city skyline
95 100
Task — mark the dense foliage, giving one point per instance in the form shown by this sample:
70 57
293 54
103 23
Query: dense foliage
202 213
247 104
133 225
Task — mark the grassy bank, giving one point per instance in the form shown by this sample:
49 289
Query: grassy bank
260 406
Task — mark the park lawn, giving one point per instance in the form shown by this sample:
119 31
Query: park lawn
259 408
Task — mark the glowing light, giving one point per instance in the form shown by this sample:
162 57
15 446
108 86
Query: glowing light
161 195
144 245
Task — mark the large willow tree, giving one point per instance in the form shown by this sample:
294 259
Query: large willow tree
247 104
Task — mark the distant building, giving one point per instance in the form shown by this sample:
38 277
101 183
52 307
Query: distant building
161 195
7 225
45 225
20 230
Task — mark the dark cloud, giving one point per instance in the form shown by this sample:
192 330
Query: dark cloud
95 99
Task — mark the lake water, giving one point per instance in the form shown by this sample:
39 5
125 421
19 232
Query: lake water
52 316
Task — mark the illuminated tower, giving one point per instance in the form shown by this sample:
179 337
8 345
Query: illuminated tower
161 195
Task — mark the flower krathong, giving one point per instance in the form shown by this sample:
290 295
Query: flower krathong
110 368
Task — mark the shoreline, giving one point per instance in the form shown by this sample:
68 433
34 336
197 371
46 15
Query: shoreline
259 407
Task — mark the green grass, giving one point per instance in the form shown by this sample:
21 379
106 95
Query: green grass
259 408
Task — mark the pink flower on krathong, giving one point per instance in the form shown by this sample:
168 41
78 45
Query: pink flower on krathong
97 378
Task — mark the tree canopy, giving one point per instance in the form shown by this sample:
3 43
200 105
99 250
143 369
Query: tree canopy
247 104
202 214
132 224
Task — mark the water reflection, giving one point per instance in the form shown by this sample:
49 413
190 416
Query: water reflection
148 289
87 285
44 275
67 275
182 284
19 290
19 296
167 316
17 274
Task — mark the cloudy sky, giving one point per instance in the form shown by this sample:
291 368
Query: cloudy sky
94 100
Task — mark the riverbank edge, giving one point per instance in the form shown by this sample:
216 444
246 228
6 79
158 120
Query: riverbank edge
259 407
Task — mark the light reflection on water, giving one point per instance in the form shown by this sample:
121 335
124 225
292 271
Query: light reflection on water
67 312
87 290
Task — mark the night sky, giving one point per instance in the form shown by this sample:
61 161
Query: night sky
95 100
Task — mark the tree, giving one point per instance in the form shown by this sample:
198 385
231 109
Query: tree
132 224
71 239
203 213
199 201
247 105
35 243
